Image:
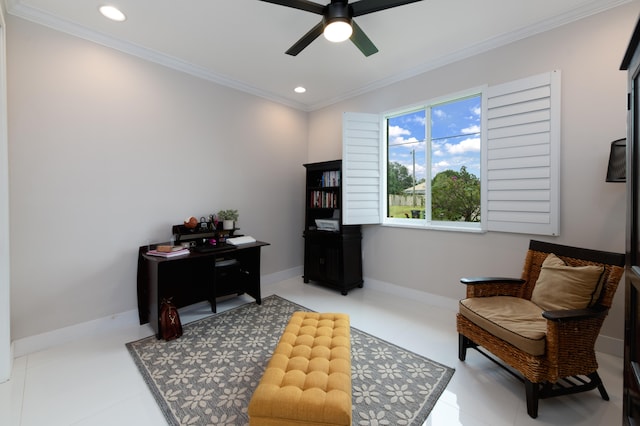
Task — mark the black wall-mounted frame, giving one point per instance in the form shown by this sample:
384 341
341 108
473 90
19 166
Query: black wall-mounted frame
616 171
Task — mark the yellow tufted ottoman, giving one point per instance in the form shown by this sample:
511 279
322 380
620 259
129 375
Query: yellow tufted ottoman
308 379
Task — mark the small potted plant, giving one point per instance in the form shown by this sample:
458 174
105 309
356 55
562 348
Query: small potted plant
228 218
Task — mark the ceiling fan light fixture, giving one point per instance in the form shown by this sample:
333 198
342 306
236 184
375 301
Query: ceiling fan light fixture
338 30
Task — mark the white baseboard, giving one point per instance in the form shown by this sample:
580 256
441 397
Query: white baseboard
413 294
281 276
52 338
6 378
604 344
610 345
114 322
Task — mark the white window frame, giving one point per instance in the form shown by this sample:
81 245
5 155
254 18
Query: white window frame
426 222
520 161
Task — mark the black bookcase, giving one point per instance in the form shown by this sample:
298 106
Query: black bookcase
332 251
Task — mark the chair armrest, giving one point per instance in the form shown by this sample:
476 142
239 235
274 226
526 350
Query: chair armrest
571 339
493 286
575 314
491 280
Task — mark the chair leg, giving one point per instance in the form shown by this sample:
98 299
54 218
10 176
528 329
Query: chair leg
595 378
462 347
532 390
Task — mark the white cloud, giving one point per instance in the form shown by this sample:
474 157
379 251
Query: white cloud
466 145
420 119
397 136
439 113
395 131
420 170
471 129
439 167
402 141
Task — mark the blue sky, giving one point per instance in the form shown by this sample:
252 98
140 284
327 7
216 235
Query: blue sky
455 138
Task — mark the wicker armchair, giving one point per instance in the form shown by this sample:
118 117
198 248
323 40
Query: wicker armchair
551 351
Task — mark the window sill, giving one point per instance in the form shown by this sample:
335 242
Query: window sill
444 226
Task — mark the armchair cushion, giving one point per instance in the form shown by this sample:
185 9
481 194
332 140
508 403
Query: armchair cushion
512 319
560 286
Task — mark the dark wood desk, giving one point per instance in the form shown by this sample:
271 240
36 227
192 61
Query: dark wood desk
194 277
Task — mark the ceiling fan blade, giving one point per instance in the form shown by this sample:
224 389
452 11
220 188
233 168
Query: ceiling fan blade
362 42
309 6
363 7
306 40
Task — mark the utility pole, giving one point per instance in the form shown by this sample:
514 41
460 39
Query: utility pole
413 152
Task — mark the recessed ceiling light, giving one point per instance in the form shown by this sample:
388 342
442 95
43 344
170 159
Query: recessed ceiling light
299 89
112 13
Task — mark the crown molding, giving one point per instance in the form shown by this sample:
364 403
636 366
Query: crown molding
16 8
590 9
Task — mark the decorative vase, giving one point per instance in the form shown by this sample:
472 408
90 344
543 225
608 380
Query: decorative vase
227 225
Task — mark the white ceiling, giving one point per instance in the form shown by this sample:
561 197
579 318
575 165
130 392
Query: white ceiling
241 43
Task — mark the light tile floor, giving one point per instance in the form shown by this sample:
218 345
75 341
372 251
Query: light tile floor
93 381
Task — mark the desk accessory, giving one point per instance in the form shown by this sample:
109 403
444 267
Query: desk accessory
190 222
241 240
168 248
170 325
180 252
229 218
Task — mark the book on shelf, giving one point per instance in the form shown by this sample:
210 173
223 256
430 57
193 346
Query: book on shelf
180 252
322 199
330 178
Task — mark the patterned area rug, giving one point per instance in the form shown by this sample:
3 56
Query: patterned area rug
207 376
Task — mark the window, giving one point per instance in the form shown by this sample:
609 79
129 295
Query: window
517 164
433 163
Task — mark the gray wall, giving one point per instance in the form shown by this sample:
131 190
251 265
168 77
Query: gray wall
107 151
588 53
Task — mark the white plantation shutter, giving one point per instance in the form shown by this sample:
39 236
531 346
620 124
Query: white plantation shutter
361 168
520 169
521 154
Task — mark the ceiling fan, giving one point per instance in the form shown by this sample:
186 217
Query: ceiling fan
337 21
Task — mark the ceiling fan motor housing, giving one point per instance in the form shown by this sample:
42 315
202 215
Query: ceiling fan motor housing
338 11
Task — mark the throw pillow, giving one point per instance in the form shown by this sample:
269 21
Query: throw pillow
560 286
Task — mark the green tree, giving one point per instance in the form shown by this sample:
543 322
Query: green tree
398 178
455 196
